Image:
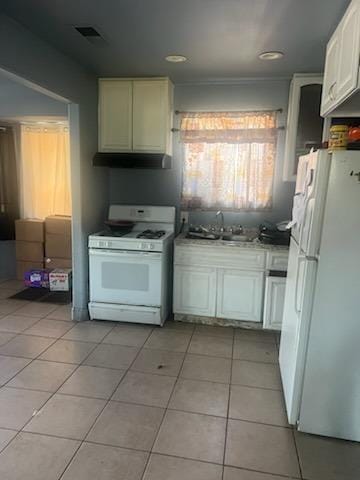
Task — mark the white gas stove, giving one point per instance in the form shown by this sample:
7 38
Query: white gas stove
130 275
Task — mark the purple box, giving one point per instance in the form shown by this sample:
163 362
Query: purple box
37 278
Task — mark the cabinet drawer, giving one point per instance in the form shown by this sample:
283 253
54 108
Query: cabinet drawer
232 257
277 261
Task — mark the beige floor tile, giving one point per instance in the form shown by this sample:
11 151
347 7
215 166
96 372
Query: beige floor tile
260 447
231 473
220 346
10 366
89 331
94 382
160 362
255 335
12 285
128 335
49 328
112 356
324 458
255 351
127 425
257 405
145 389
42 375
190 435
200 397
36 457
214 330
10 306
202 367
173 340
37 309
6 293
6 337
17 406
102 462
61 313
172 325
255 374
5 437
161 467
68 351
66 416
16 323
27 346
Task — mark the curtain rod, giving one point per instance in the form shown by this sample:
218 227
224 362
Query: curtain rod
278 110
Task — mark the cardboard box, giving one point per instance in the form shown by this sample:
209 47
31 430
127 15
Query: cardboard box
57 246
37 278
60 280
29 230
23 267
55 262
58 225
29 251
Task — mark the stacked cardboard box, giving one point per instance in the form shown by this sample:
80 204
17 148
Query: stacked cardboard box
58 242
29 246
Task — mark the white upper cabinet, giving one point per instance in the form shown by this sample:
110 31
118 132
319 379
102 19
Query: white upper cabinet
115 115
304 124
151 116
341 77
135 115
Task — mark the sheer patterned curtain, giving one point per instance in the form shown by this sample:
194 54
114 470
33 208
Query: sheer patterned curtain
229 160
45 169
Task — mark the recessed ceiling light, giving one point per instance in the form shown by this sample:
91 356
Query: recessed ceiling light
176 58
271 55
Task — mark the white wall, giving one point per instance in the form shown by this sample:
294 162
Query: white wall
29 57
164 187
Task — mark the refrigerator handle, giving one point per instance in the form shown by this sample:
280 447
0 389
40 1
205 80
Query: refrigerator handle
300 260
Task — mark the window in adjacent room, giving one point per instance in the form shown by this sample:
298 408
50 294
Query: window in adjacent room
229 160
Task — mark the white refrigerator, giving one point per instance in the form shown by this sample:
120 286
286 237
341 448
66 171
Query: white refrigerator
320 339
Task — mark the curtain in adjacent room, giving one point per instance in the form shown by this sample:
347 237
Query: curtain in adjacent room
45 171
229 160
9 193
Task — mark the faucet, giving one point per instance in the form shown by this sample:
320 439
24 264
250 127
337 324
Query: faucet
221 215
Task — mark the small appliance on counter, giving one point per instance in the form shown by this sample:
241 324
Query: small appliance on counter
130 265
274 234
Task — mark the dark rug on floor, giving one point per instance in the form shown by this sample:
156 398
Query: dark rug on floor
43 295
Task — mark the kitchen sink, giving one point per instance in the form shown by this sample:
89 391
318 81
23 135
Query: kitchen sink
236 238
202 236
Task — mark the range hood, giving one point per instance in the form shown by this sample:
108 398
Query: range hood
132 160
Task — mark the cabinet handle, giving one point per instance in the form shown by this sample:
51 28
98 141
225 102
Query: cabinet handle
331 92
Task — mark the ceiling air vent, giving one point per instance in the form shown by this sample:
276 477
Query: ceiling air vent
91 34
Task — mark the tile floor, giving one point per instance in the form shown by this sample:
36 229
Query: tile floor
127 402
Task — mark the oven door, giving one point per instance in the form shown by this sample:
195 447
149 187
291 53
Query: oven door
125 277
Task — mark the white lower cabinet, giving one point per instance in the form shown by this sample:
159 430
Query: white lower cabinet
195 290
239 294
274 302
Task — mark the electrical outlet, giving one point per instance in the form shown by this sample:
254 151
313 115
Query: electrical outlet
184 217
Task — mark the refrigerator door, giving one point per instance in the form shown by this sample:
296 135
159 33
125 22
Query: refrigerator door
331 391
300 283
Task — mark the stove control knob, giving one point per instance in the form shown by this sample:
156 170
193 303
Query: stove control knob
143 246
151 246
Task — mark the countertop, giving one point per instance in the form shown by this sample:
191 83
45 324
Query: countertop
255 244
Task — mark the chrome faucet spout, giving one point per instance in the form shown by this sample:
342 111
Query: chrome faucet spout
221 215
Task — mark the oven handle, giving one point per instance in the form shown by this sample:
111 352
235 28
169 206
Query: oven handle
125 253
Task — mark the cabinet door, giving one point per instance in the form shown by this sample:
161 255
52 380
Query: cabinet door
194 290
239 295
330 74
348 64
274 302
115 115
150 116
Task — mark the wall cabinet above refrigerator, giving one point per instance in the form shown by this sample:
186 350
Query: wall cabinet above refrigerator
341 78
135 115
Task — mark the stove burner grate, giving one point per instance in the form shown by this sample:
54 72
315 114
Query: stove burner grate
151 234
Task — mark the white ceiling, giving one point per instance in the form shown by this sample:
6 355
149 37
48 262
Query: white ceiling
221 38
